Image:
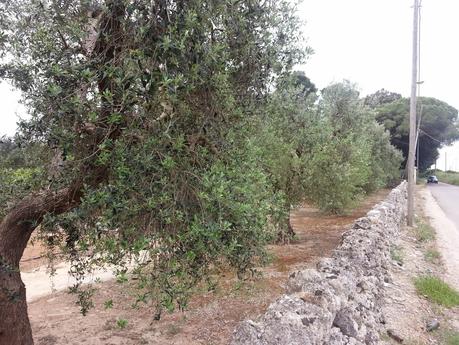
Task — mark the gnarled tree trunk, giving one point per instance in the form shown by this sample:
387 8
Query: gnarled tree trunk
19 224
14 325
15 231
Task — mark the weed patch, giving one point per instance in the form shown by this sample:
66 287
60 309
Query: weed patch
424 232
121 323
437 291
452 338
432 255
396 253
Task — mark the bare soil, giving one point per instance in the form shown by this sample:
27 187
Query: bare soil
447 235
406 312
34 256
211 316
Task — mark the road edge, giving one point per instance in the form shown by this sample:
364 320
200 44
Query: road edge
447 237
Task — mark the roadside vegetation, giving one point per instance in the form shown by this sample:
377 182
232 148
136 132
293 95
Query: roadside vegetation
421 306
429 285
451 338
396 253
432 255
424 231
450 177
437 291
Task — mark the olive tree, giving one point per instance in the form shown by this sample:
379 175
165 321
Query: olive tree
352 155
139 106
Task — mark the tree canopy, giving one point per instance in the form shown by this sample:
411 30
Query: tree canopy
172 135
439 124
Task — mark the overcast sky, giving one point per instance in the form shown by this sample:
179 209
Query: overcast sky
367 42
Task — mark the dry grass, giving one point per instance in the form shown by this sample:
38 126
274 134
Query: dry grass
432 255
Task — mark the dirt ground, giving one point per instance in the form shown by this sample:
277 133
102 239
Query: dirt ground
407 313
447 236
33 257
211 316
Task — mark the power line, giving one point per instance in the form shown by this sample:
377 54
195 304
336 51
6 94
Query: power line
431 137
400 142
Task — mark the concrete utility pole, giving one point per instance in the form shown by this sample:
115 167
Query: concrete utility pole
412 148
418 132
419 83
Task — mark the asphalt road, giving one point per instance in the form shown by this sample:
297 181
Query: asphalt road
447 197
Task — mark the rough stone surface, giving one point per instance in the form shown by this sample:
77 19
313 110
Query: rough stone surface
432 325
339 302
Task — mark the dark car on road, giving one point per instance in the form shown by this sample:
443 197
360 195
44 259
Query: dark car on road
432 179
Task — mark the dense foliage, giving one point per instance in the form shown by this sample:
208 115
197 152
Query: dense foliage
439 124
185 131
20 171
353 155
147 117
450 177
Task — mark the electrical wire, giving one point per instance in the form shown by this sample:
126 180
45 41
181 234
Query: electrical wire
431 137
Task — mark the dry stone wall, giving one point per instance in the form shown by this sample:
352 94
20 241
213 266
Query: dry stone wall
340 301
